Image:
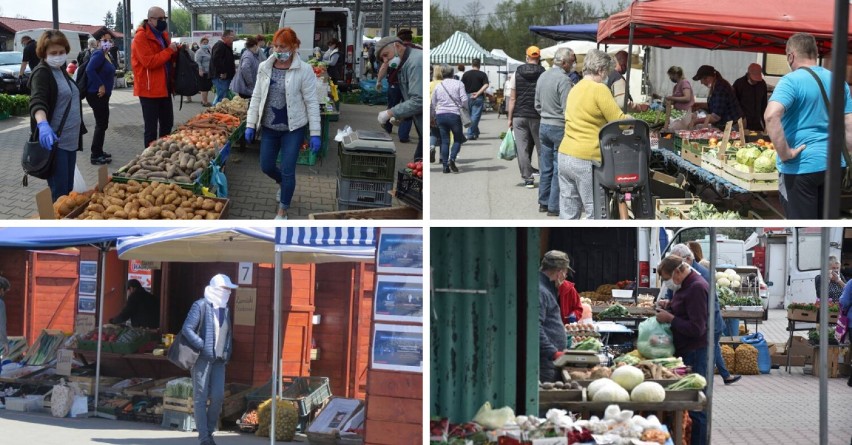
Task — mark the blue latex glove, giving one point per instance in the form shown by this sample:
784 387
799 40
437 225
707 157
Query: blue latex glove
572 318
46 136
316 144
249 135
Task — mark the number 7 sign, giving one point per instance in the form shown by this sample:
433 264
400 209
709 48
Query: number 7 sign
246 273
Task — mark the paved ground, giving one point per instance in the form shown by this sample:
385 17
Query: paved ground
253 194
42 429
486 187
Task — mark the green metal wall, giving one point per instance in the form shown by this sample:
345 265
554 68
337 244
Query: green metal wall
477 353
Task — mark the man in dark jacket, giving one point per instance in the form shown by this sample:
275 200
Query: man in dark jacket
552 336
222 68
208 330
142 309
688 315
752 94
523 117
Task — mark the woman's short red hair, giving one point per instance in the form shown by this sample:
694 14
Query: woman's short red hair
286 36
51 37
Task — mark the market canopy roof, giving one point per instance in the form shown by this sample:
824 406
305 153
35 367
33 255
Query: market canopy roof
326 244
760 26
461 48
587 32
62 237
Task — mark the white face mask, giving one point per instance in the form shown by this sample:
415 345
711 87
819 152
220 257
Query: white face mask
395 61
217 296
671 285
283 56
56 61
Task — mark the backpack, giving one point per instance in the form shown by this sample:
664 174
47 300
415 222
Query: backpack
186 76
82 79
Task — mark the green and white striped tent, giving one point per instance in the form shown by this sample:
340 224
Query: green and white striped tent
461 48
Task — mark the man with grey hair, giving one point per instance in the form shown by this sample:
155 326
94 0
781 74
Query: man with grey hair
837 280
524 120
551 91
797 116
683 251
4 338
552 336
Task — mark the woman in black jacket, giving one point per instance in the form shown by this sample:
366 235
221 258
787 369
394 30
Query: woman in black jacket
52 92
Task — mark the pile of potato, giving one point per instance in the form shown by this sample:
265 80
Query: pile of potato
746 359
730 358
236 107
286 420
67 203
166 160
155 200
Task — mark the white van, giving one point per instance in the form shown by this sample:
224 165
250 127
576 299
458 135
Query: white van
316 26
77 40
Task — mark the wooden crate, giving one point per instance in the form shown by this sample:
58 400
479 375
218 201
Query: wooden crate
179 405
682 205
834 353
691 152
235 400
801 315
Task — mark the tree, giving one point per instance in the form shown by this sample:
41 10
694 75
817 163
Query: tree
119 17
181 22
109 20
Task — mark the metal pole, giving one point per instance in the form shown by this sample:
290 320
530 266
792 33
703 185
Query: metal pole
629 63
836 127
102 258
357 13
169 14
823 332
386 10
55 14
128 39
711 333
276 348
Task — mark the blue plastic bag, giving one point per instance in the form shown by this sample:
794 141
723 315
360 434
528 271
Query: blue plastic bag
764 361
218 182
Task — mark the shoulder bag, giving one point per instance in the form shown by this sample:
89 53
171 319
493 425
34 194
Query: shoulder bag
181 353
463 111
846 180
35 160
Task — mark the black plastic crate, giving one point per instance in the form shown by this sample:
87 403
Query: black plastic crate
369 193
409 189
370 167
347 206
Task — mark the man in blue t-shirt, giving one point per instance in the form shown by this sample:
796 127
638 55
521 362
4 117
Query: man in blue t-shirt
797 117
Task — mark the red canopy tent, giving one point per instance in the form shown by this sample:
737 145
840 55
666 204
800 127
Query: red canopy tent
761 26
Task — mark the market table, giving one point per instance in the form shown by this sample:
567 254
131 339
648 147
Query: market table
678 408
792 329
755 316
723 188
147 365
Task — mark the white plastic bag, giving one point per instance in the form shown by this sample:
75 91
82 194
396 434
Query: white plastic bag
80 406
79 182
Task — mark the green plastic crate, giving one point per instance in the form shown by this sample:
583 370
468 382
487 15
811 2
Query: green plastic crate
366 166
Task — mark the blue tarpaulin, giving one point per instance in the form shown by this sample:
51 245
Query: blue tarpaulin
560 33
61 237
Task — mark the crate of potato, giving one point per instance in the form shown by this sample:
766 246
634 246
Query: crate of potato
166 160
150 200
67 203
207 130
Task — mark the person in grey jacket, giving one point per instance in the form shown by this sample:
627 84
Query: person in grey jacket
553 339
243 82
208 330
4 339
202 58
409 62
551 91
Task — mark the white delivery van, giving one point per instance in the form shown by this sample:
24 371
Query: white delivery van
316 26
77 40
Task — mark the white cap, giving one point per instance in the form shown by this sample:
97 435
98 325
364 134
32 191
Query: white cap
222 280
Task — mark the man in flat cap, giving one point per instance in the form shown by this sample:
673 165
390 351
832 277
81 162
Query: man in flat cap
552 336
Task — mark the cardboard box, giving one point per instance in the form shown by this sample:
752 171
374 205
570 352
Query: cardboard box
44 200
780 360
801 315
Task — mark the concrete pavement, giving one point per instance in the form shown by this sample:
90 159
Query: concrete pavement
252 194
486 187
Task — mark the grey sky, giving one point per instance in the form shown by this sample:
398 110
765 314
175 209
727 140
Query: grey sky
457 6
88 12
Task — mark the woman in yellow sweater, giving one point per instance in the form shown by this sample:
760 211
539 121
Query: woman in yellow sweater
589 107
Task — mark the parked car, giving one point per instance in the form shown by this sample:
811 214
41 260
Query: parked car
238 47
10 66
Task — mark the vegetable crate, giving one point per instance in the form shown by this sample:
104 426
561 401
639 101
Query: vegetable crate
753 182
127 348
308 393
179 420
370 213
306 157
235 400
409 189
369 167
243 424
801 315
667 141
680 207
178 405
364 193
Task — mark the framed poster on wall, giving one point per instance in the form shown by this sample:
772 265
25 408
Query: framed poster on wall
400 251
86 305
398 348
88 286
399 298
89 269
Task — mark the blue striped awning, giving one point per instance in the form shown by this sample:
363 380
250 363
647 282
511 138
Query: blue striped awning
357 243
461 48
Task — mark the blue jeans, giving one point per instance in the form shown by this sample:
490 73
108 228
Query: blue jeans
395 97
434 136
697 359
548 164
732 327
62 180
476 106
272 142
208 382
450 123
222 87
720 361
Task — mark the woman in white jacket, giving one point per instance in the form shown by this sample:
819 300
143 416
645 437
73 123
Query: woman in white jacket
285 103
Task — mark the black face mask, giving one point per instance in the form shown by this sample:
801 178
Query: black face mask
162 25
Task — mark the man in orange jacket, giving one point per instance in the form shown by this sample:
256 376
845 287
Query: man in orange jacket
152 59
